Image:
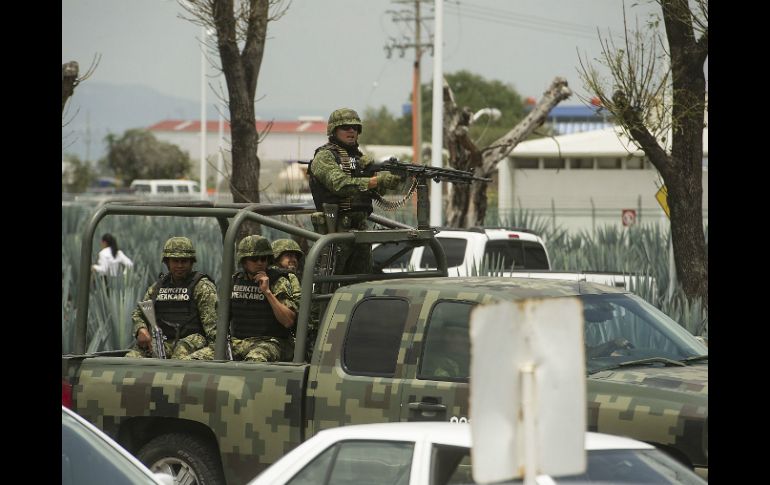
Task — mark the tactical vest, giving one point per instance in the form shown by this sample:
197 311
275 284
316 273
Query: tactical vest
250 313
175 307
321 194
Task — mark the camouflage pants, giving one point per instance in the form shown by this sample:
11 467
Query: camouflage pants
349 258
183 348
263 349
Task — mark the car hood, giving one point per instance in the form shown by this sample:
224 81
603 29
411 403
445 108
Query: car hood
692 379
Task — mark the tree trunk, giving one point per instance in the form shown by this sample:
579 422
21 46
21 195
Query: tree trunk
686 200
69 78
241 70
468 203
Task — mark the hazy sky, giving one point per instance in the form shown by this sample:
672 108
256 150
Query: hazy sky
324 54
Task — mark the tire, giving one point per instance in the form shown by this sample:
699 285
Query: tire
190 460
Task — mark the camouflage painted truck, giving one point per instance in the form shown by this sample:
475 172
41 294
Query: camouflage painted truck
387 349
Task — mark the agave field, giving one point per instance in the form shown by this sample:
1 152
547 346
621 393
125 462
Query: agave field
642 250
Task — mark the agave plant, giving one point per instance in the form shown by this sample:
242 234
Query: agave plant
642 251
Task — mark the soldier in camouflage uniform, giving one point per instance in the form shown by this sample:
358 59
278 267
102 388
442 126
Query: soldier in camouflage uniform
337 177
287 254
263 308
185 305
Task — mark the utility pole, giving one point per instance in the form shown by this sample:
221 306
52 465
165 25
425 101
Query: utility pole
419 48
88 137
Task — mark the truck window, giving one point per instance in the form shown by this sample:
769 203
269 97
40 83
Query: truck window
534 256
515 253
165 189
446 351
454 249
380 462
374 336
384 251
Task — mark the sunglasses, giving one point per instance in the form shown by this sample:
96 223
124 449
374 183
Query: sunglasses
256 259
350 127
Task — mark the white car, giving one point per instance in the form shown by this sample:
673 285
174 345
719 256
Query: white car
468 250
90 457
438 453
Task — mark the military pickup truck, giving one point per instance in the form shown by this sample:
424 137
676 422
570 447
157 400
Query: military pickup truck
387 349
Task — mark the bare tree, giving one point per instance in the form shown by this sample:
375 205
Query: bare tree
659 100
241 30
468 203
70 78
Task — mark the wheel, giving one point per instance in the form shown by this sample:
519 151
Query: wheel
187 458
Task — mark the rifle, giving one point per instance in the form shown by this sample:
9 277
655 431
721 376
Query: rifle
157 348
331 212
421 174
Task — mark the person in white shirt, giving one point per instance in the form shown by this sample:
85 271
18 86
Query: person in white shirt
111 258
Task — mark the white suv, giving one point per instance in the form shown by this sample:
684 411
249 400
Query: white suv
466 249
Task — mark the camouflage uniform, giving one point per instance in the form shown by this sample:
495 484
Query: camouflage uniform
261 348
205 297
336 176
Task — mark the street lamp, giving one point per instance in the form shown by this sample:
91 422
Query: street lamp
204 35
493 113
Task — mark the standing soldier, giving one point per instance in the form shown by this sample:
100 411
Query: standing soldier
337 177
185 304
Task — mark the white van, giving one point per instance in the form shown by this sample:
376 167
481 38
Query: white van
165 187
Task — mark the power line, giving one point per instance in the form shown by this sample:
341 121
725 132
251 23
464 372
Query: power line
530 22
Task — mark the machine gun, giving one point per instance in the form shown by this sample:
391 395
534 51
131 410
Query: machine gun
438 174
421 174
157 348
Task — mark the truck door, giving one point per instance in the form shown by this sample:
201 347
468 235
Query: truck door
438 386
356 378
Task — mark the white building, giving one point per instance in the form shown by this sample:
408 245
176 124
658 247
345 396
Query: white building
281 143
585 180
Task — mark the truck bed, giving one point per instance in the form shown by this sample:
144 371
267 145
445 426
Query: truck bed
127 396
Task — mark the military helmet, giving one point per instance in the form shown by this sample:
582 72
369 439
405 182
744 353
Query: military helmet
253 246
283 245
343 116
178 247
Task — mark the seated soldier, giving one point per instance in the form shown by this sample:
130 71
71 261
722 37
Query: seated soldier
184 302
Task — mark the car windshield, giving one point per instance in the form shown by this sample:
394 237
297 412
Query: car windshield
624 329
452 465
87 459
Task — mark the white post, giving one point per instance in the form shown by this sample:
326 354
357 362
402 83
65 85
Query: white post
204 193
220 153
437 127
671 267
528 409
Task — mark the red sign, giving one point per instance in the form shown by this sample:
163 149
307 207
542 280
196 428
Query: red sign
628 217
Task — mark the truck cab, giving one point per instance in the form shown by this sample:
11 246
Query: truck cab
469 250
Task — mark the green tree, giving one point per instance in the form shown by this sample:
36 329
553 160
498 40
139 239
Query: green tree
471 91
475 93
659 99
78 175
382 128
139 155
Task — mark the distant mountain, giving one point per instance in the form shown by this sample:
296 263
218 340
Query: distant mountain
97 109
